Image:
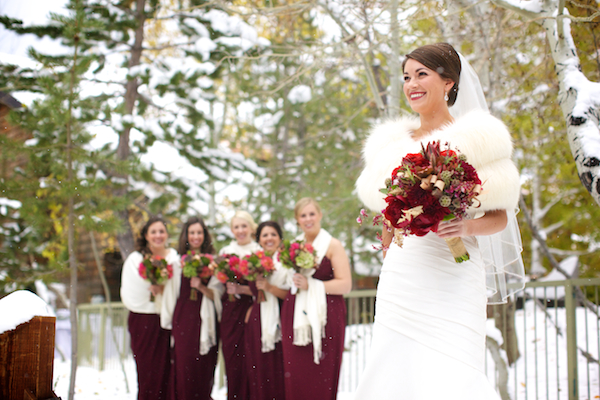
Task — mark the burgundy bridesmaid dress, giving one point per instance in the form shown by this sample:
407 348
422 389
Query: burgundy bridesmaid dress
264 370
303 378
193 373
150 345
232 339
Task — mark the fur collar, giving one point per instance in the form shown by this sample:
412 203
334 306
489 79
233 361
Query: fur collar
483 138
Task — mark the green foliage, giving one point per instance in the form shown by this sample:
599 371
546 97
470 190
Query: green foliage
36 245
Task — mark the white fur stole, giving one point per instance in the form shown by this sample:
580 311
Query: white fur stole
483 138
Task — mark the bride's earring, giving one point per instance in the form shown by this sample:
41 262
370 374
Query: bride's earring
446 96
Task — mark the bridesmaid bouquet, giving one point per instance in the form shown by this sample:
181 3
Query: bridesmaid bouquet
230 268
297 255
196 265
427 188
155 270
259 264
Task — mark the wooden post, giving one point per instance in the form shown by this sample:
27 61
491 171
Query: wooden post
27 360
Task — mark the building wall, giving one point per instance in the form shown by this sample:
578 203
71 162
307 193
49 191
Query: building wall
8 160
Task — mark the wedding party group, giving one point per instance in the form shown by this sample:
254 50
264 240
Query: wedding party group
446 190
276 307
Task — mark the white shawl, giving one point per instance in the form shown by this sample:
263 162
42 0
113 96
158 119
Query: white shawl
171 291
310 309
135 290
480 136
208 309
270 320
240 250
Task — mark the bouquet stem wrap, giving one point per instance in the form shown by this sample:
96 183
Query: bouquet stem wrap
458 249
261 296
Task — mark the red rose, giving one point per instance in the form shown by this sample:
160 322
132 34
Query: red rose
416 159
448 153
422 224
394 210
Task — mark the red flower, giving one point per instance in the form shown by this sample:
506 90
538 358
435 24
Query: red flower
206 272
416 159
142 271
470 173
243 267
395 209
267 263
222 277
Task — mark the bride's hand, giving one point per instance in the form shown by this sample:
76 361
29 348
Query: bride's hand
453 228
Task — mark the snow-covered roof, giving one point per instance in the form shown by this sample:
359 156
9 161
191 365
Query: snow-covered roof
9 101
21 306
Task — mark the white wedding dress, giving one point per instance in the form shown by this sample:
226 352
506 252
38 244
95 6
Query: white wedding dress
430 318
429 334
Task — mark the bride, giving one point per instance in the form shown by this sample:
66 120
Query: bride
430 321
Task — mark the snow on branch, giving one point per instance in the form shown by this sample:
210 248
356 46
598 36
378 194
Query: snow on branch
578 97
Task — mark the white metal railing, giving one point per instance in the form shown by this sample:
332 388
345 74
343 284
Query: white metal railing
556 323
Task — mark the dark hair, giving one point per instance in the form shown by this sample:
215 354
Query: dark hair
206 247
141 243
441 58
272 224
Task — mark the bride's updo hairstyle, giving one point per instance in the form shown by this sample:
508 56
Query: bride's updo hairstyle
441 58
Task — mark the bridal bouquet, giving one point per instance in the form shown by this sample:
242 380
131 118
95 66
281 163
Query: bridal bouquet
259 264
200 265
155 270
427 188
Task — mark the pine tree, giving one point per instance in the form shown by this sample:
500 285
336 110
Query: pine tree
156 66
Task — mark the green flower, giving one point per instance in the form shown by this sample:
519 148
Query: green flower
445 176
445 201
305 260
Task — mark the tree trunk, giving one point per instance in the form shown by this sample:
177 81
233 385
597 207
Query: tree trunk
502 382
504 320
125 236
71 229
581 116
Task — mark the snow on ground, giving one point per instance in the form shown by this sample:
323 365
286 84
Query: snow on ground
92 384
540 373
542 337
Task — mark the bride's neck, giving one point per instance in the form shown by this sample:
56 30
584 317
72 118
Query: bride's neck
432 122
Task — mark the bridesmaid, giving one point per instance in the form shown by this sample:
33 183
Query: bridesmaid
149 342
194 322
311 360
264 357
243 228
